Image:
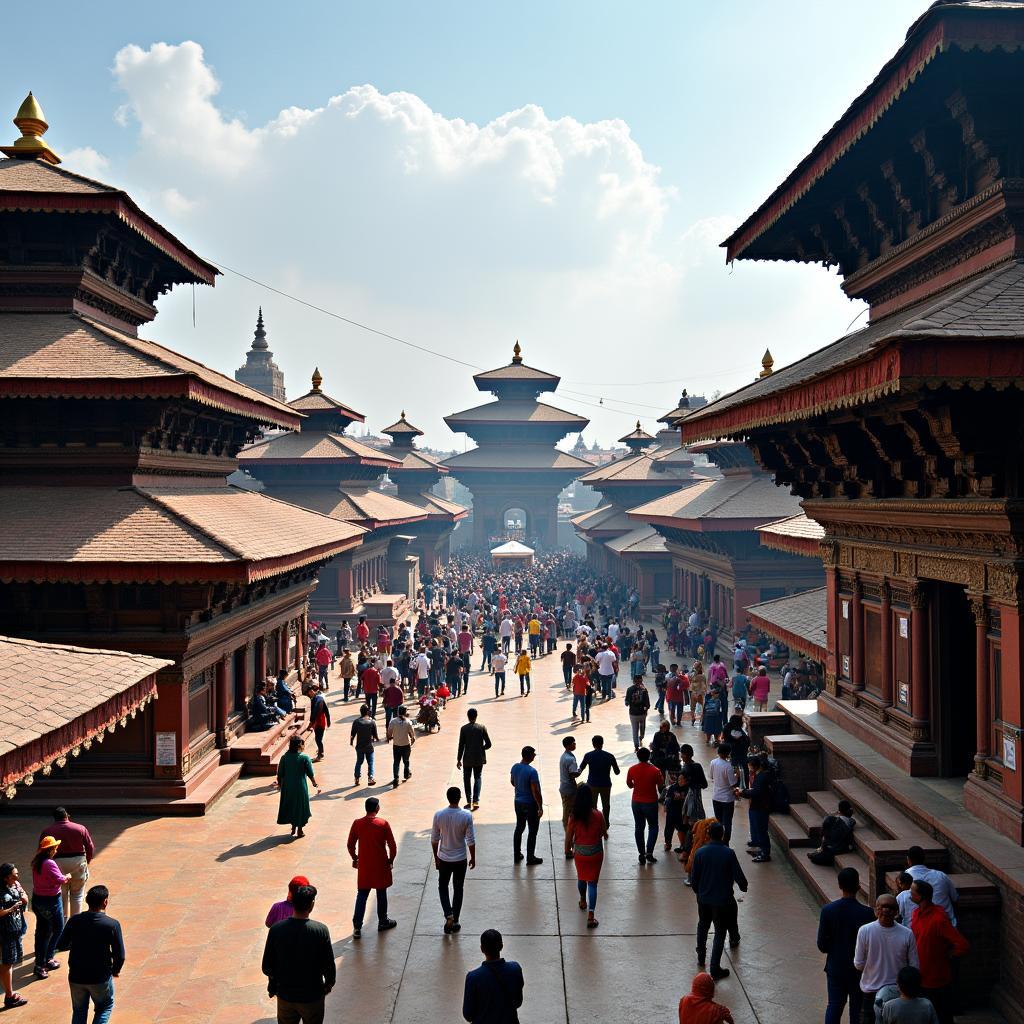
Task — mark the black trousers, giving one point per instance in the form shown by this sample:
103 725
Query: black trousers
720 917
401 756
724 810
472 779
526 820
453 872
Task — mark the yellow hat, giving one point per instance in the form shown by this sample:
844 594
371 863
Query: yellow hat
48 843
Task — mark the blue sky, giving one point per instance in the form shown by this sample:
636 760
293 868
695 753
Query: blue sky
388 211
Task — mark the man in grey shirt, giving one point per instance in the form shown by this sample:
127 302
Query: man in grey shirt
568 770
452 837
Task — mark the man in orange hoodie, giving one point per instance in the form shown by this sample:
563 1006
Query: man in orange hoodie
699 1008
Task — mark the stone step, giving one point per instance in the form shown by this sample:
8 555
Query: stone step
809 820
788 832
855 860
878 812
253 746
820 879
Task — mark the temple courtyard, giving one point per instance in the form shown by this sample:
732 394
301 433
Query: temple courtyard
192 893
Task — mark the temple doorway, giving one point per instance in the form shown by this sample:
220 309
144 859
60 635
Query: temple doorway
514 524
954 701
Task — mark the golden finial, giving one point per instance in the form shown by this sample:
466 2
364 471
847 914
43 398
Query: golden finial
32 124
517 353
767 363
402 417
317 379
637 424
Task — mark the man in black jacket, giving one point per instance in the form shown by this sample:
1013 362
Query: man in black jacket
299 961
494 991
471 757
97 956
715 871
760 796
838 925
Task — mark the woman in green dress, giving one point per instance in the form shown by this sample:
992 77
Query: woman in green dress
295 767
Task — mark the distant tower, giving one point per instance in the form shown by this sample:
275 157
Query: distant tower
260 371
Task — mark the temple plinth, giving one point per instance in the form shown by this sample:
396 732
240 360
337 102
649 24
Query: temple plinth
516 466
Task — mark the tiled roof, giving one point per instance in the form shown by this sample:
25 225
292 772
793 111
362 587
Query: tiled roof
54 697
989 305
584 518
315 445
642 540
185 533
734 497
800 525
635 469
514 410
416 460
364 506
524 457
516 371
37 176
799 620
434 505
317 401
66 354
605 519
402 428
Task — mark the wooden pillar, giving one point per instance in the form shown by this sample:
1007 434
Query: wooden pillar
1011 631
857 612
261 661
300 644
244 683
887 650
832 620
221 701
282 660
984 709
920 684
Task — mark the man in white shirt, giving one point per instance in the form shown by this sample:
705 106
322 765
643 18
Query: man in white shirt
498 663
606 671
613 630
724 780
944 892
422 665
505 632
453 839
883 948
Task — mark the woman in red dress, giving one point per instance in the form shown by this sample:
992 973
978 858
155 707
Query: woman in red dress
583 835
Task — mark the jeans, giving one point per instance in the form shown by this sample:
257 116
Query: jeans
362 895
606 686
347 686
759 831
300 1013
506 643
499 683
472 780
371 700
637 723
645 814
706 916
675 712
724 810
454 872
588 891
567 675
49 912
486 661
843 988
579 700
318 735
367 756
659 704
400 755
526 819
322 671
389 713
524 684
534 644
102 996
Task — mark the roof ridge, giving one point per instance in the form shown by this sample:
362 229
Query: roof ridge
64 172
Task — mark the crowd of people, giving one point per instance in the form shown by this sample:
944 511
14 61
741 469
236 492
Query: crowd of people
893 965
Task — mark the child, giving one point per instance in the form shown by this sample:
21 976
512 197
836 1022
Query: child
443 693
911 1007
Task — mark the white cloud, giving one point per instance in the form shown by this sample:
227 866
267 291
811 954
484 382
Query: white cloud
87 161
458 236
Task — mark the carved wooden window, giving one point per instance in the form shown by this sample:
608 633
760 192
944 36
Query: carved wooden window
200 704
873 653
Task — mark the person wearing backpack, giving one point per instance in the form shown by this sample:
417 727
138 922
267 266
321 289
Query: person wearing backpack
638 701
836 835
759 793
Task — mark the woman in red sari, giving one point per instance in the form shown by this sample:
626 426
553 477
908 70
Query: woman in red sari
583 835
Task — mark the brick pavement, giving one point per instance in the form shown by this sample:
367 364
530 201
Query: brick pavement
192 894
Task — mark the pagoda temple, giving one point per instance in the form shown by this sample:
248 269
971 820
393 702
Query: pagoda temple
416 477
904 441
516 466
635 554
322 468
260 371
119 529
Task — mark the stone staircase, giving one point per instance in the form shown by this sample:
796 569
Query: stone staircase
260 752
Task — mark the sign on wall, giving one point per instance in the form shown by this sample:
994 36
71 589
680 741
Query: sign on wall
904 694
166 750
1010 753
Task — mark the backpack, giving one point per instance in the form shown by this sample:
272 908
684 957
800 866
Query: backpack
637 701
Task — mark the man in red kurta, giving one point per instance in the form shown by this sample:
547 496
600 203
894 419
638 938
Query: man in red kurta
373 849
937 942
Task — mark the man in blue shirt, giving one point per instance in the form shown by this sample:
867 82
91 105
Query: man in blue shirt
838 925
494 991
715 871
740 690
529 806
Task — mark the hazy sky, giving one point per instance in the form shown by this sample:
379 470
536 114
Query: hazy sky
462 175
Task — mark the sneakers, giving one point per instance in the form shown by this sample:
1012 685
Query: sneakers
518 857
357 933
651 859
387 924
40 972
371 782
52 965
13 1000
530 861
642 858
394 783
761 859
720 972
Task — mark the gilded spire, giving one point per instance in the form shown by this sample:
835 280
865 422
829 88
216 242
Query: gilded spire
317 379
517 352
32 125
259 340
402 417
766 364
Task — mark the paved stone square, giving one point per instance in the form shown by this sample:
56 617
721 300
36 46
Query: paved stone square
192 895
